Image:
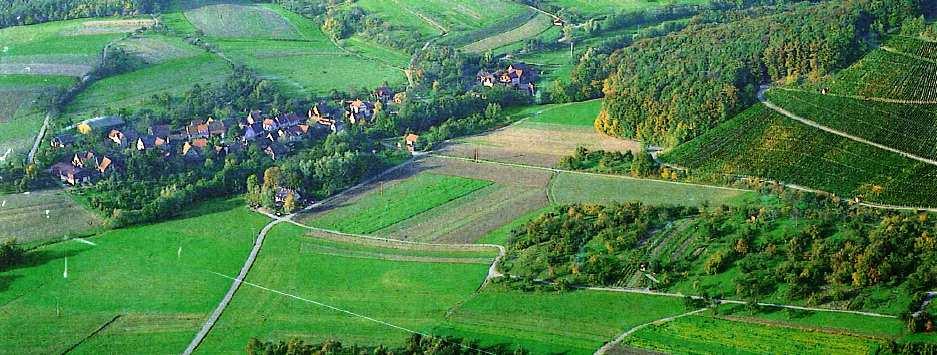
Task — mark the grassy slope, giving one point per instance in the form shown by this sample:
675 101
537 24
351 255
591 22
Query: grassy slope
136 273
400 202
24 217
573 322
759 142
19 119
454 15
537 25
410 294
241 21
579 188
580 114
602 7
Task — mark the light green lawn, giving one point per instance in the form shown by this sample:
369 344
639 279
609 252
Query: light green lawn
380 209
409 294
568 188
160 294
581 114
501 235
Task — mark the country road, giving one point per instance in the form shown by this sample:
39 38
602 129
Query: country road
42 132
788 114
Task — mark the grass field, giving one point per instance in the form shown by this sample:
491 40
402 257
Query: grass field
762 143
554 322
580 114
406 293
241 21
24 217
539 23
156 279
579 188
433 17
832 322
158 48
383 208
699 334
604 7
20 119
132 89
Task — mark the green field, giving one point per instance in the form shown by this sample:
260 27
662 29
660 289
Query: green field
887 75
580 114
843 322
380 209
569 188
433 17
385 285
604 7
20 119
23 216
501 235
699 334
156 280
153 48
133 88
241 21
555 322
532 28
762 143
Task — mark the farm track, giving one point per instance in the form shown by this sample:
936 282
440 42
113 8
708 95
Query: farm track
608 346
31 157
788 114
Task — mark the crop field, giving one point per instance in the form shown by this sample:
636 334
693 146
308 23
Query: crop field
59 48
400 291
502 234
539 23
289 63
912 46
20 120
882 74
852 324
433 17
132 89
385 207
908 128
155 282
554 322
699 334
44 215
569 188
241 21
762 143
601 7
363 47
158 48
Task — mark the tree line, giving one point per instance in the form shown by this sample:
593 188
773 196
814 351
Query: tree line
28 12
416 344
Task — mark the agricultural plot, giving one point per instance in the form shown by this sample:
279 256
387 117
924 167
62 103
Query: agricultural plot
390 56
155 49
20 119
699 334
887 75
604 7
146 287
762 143
569 188
908 128
68 48
851 324
44 215
132 89
554 322
915 47
401 201
241 21
539 23
388 284
580 114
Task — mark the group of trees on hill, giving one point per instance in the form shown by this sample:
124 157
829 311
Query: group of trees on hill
416 345
670 89
27 12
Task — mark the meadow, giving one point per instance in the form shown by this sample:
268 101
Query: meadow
762 143
501 235
157 48
400 291
23 216
576 322
581 114
20 119
569 188
387 206
152 286
700 334
241 21
908 128
433 17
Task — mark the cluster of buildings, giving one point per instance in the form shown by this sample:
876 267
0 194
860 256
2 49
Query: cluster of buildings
518 76
275 135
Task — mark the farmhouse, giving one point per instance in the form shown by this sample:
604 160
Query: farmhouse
254 117
411 140
70 174
283 192
63 140
517 76
122 137
150 142
159 130
383 94
85 160
359 112
108 164
100 124
197 129
252 131
276 151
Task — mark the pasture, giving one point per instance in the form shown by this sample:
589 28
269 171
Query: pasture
25 217
20 119
577 322
710 335
387 284
594 8
149 287
762 143
569 188
241 21
532 28
434 17
154 49
401 201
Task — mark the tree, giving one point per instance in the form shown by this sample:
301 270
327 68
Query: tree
253 191
271 177
289 204
10 254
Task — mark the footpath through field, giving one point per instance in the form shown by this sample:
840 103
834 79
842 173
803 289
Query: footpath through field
608 346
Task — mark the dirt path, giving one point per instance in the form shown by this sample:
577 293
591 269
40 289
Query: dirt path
608 346
42 132
788 114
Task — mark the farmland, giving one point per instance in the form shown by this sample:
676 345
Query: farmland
531 28
887 75
433 17
23 216
20 119
909 128
155 280
710 335
394 289
601 7
762 143
582 188
155 49
549 322
581 114
383 208
926 50
241 21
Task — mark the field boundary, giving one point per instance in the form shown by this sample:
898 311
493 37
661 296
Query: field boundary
864 98
608 346
95 332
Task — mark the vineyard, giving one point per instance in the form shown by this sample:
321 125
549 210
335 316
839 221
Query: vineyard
882 74
912 46
762 143
909 128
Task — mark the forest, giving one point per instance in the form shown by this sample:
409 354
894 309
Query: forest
28 12
667 90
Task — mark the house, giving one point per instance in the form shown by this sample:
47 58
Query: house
85 160
100 124
148 142
108 164
197 129
254 117
270 125
252 131
283 192
359 112
71 174
485 78
400 97
217 128
160 130
558 22
292 134
411 140
193 150
121 137
383 94
63 140
517 75
276 151
287 120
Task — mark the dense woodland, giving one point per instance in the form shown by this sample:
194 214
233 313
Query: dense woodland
27 12
667 90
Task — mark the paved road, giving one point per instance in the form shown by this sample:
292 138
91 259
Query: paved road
788 114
